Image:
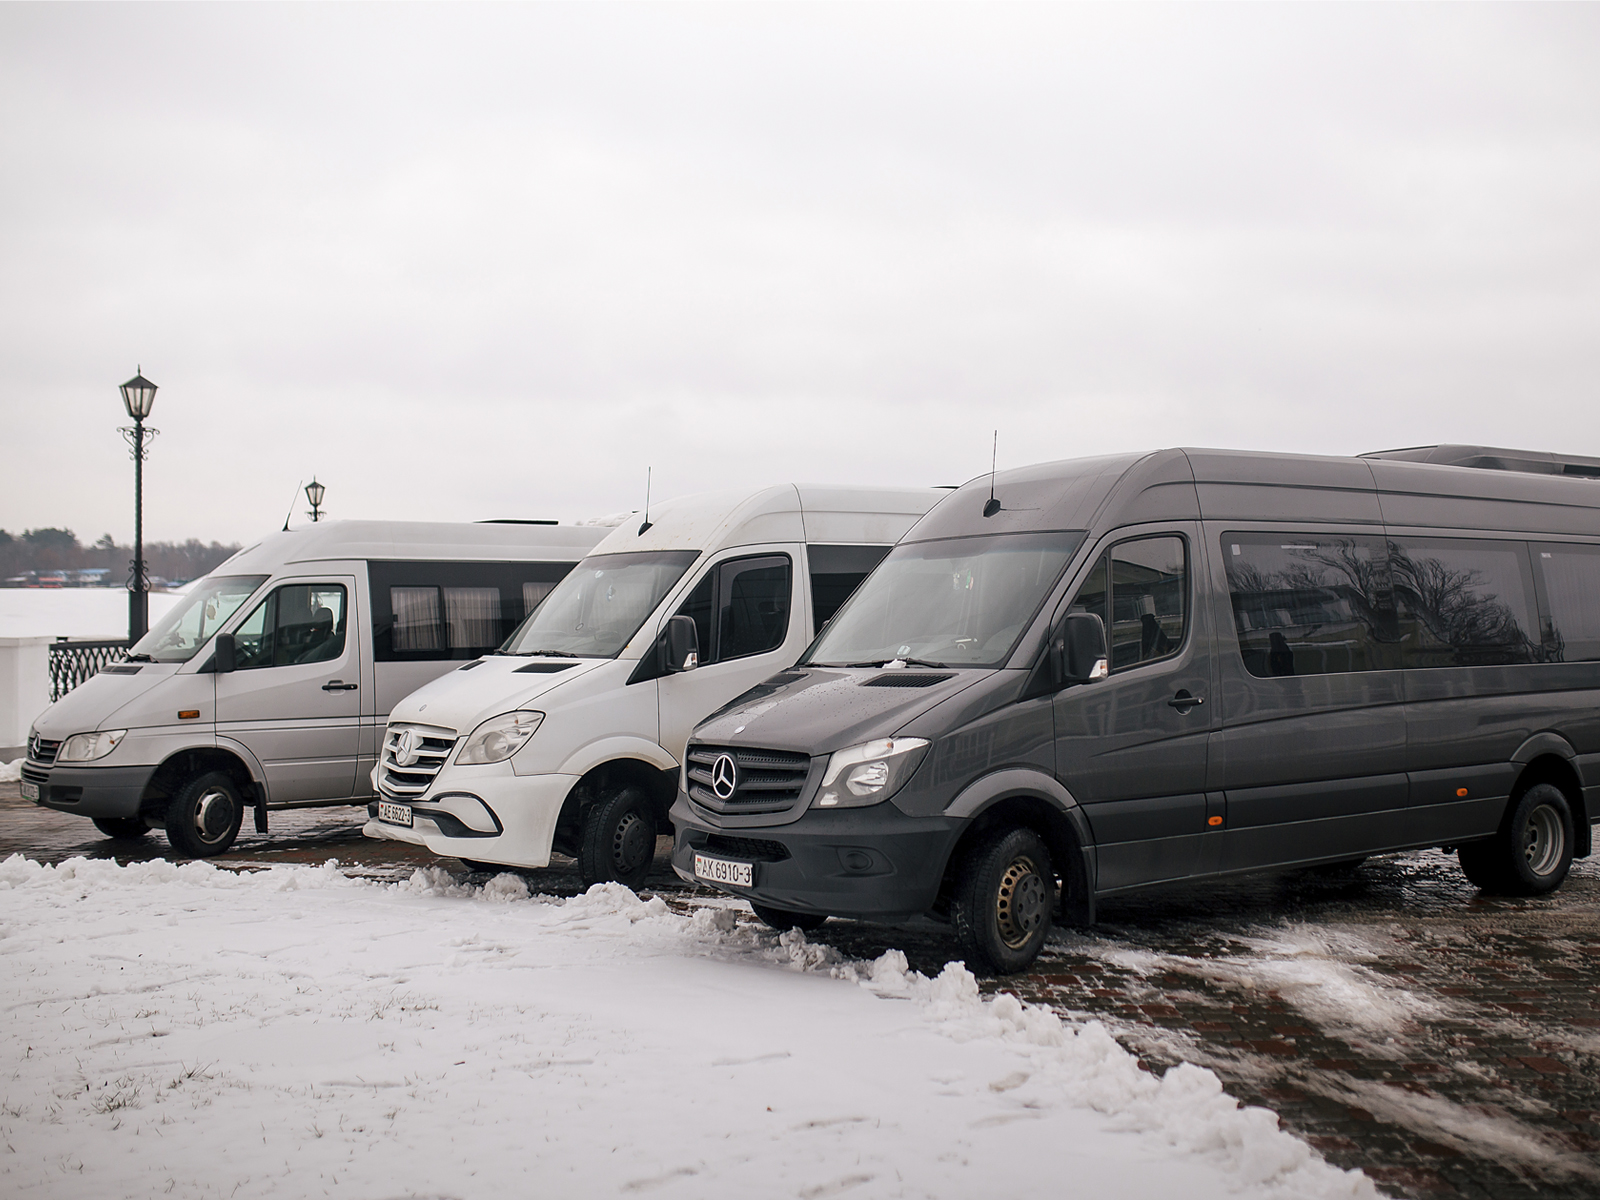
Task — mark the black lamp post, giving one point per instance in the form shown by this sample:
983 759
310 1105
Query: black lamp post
314 493
139 396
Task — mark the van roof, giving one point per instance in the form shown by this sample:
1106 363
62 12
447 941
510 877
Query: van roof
1191 483
786 512
411 540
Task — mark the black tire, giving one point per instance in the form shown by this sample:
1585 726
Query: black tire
1532 853
1005 892
122 829
781 919
203 817
618 840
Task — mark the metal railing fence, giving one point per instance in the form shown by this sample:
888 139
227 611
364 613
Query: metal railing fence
73 662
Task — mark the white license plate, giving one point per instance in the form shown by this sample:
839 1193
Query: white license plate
30 791
720 870
394 814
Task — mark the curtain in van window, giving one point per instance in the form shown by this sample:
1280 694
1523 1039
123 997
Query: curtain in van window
1311 604
1571 576
416 619
533 595
1463 603
472 615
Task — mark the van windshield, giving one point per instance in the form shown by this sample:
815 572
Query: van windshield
959 602
600 604
176 637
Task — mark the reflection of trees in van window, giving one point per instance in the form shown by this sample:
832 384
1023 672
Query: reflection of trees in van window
961 601
1463 603
1305 604
1571 576
1149 600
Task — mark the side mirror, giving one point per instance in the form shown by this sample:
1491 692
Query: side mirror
226 654
680 645
1080 649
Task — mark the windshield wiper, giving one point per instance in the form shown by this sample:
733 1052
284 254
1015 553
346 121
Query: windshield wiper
910 662
540 653
138 658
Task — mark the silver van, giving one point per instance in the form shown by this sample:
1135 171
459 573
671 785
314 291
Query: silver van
269 685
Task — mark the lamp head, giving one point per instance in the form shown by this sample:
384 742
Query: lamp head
314 493
139 395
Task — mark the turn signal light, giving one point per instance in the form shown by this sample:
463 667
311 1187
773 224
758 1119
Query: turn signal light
1461 791
1213 821
188 714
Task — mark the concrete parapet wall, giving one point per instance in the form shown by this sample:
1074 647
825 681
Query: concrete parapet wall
24 686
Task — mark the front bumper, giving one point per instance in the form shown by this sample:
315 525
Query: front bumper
871 863
455 821
103 792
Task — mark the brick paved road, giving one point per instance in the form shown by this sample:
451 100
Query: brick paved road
1445 1042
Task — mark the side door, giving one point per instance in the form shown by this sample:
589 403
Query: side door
749 628
1132 748
295 698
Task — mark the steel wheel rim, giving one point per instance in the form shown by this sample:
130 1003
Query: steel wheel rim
628 843
1543 840
213 814
1019 902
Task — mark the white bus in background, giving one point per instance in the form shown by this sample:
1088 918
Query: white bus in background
269 684
569 738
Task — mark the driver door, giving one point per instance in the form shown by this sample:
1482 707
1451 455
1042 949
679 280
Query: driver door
294 700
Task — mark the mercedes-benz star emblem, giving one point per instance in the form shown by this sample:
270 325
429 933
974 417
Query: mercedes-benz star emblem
724 777
405 748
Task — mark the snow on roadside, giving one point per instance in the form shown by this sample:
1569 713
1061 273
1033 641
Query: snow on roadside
201 1032
10 772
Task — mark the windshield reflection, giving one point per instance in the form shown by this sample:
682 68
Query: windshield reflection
180 634
600 604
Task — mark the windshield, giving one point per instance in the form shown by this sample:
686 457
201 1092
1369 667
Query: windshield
178 635
600 604
959 602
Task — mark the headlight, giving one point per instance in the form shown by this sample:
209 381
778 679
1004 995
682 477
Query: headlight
86 747
498 738
868 774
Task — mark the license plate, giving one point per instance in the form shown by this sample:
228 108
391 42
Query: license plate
720 870
394 814
30 791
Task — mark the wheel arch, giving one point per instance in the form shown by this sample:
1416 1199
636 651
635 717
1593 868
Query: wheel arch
1546 758
661 785
186 764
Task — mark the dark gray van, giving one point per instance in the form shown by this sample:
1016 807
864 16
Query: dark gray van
1108 674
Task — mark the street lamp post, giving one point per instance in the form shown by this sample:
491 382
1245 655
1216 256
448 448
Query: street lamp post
314 493
139 397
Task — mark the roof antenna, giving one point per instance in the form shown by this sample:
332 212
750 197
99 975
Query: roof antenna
295 500
991 505
646 524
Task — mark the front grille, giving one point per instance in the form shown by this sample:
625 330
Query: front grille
43 749
899 680
764 780
33 775
754 849
433 746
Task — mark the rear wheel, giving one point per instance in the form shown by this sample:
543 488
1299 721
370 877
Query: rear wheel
203 817
619 839
123 829
1005 892
781 919
1533 850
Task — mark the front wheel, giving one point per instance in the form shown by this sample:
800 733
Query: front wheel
1005 892
782 920
1533 850
619 839
123 829
204 816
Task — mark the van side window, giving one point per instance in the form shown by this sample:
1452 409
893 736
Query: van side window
1571 578
836 572
1311 604
1149 600
741 607
301 623
445 610
1463 603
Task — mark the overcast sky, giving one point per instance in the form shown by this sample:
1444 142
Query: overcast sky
468 262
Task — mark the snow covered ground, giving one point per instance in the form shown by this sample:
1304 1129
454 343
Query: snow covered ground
190 1031
73 612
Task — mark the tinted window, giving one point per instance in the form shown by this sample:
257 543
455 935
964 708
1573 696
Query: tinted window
1463 603
836 571
301 623
1571 577
741 607
1149 600
1311 604
438 610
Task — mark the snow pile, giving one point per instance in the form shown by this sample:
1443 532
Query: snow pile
194 1031
10 772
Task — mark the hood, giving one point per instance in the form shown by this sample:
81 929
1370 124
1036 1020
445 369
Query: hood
816 710
489 686
98 703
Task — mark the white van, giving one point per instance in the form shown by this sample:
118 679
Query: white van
569 738
268 685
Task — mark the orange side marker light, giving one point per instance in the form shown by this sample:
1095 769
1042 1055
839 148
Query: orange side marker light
1213 821
188 714
1461 791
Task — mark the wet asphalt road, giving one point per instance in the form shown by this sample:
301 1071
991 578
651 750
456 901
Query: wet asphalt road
1446 1042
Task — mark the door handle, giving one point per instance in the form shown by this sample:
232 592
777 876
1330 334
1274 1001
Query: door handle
339 685
1183 702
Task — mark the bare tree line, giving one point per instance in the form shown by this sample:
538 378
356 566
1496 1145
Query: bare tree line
44 551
